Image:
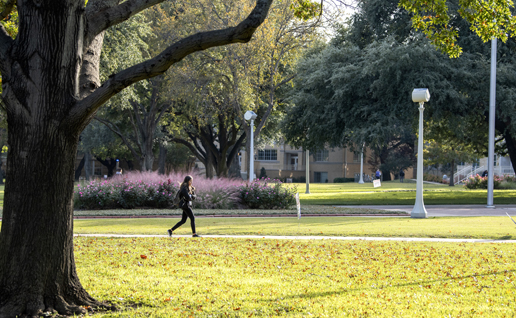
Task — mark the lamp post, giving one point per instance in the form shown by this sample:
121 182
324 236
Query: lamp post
250 115
492 103
361 180
307 171
420 95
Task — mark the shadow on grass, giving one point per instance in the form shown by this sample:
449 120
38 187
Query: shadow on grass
424 284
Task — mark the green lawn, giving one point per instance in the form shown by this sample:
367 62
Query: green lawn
443 227
396 193
178 277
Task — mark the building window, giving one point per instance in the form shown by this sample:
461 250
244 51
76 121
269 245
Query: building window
268 154
321 177
322 155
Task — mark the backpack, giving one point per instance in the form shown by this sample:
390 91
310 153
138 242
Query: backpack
177 199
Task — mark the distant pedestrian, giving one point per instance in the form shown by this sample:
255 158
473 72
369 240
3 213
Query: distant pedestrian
484 174
402 175
378 174
187 195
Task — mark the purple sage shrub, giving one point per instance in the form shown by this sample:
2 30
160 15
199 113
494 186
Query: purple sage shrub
268 194
150 189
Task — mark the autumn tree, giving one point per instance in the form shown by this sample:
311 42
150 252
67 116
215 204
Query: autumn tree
52 90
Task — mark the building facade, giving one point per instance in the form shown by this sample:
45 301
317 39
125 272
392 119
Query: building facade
281 161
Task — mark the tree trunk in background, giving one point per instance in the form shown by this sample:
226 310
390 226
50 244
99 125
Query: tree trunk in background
452 181
88 169
110 164
162 159
78 171
510 141
130 165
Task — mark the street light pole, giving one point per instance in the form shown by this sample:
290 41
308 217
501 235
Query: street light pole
250 115
420 95
307 171
492 104
361 180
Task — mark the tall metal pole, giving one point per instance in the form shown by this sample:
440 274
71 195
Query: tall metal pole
492 104
307 172
251 154
419 210
361 180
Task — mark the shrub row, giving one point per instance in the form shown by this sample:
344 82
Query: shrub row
151 190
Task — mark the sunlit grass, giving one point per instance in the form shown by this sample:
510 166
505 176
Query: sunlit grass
162 277
442 227
396 193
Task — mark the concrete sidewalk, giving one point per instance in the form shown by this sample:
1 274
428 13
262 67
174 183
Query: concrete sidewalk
449 210
339 238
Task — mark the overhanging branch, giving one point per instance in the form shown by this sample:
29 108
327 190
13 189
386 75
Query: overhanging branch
99 20
242 33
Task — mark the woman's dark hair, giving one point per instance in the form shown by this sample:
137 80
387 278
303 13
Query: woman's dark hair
185 182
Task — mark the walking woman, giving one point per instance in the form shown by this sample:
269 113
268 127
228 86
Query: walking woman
187 195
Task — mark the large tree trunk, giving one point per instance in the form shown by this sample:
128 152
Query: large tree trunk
37 265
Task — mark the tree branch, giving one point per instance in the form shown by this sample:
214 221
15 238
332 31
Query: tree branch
100 20
242 33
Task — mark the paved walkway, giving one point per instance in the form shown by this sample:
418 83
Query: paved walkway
450 210
339 238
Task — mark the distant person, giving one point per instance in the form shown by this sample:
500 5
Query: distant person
378 174
187 195
484 174
402 175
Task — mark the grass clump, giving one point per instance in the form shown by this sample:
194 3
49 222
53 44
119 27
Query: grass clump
157 277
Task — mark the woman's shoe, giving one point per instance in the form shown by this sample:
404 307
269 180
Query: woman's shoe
169 231
195 235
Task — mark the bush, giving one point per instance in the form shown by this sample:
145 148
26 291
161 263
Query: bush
268 194
343 180
508 185
136 190
478 182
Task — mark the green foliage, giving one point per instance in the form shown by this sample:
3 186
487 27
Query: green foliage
11 23
305 9
488 19
343 180
267 194
153 277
